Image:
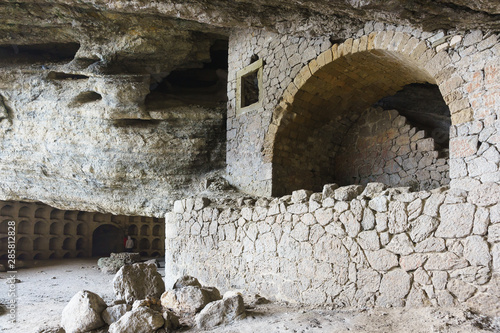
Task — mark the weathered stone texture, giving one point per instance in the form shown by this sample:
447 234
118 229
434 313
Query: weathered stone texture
434 259
83 312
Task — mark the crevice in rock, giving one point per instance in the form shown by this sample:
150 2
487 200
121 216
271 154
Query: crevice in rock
38 53
86 97
65 76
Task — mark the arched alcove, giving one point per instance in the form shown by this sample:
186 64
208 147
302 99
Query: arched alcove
24 227
55 244
81 229
40 213
68 244
24 244
40 243
24 212
332 94
56 228
157 244
4 227
80 243
144 230
132 230
38 256
82 216
68 229
144 244
41 228
70 215
7 210
106 239
156 230
56 214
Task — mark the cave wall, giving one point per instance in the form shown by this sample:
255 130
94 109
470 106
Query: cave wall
107 153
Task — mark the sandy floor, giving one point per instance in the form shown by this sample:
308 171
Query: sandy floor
46 286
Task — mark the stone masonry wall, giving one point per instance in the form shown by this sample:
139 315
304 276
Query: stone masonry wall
464 65
351 245
381 146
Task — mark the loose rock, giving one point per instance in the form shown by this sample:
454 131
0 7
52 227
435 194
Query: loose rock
138 281
83 312
140 320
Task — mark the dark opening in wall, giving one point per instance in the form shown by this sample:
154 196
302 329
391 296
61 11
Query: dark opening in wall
38 53
206 86
424 107
65 76
86 97
249 89
106 239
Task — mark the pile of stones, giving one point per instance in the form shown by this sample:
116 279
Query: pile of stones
142 305
115 261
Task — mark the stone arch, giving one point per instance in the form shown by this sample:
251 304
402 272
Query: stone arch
327 95
107 238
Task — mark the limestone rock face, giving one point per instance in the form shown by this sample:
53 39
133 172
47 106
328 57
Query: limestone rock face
140 320
229 308
283 17
83 312
138 281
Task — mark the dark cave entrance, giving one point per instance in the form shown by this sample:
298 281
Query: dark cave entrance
106 239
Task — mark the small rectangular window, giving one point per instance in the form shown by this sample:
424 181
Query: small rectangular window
249 87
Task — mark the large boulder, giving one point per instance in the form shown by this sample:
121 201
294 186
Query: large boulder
188 296
83 312
224 311
188 299
110 265
138 281
186 281
140 320
114 313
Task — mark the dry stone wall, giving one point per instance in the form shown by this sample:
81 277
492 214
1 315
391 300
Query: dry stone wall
350 246
382 146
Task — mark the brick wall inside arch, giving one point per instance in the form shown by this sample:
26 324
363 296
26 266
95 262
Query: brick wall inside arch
382 146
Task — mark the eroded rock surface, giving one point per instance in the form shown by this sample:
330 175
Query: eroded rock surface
140 320
83 313
138 281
